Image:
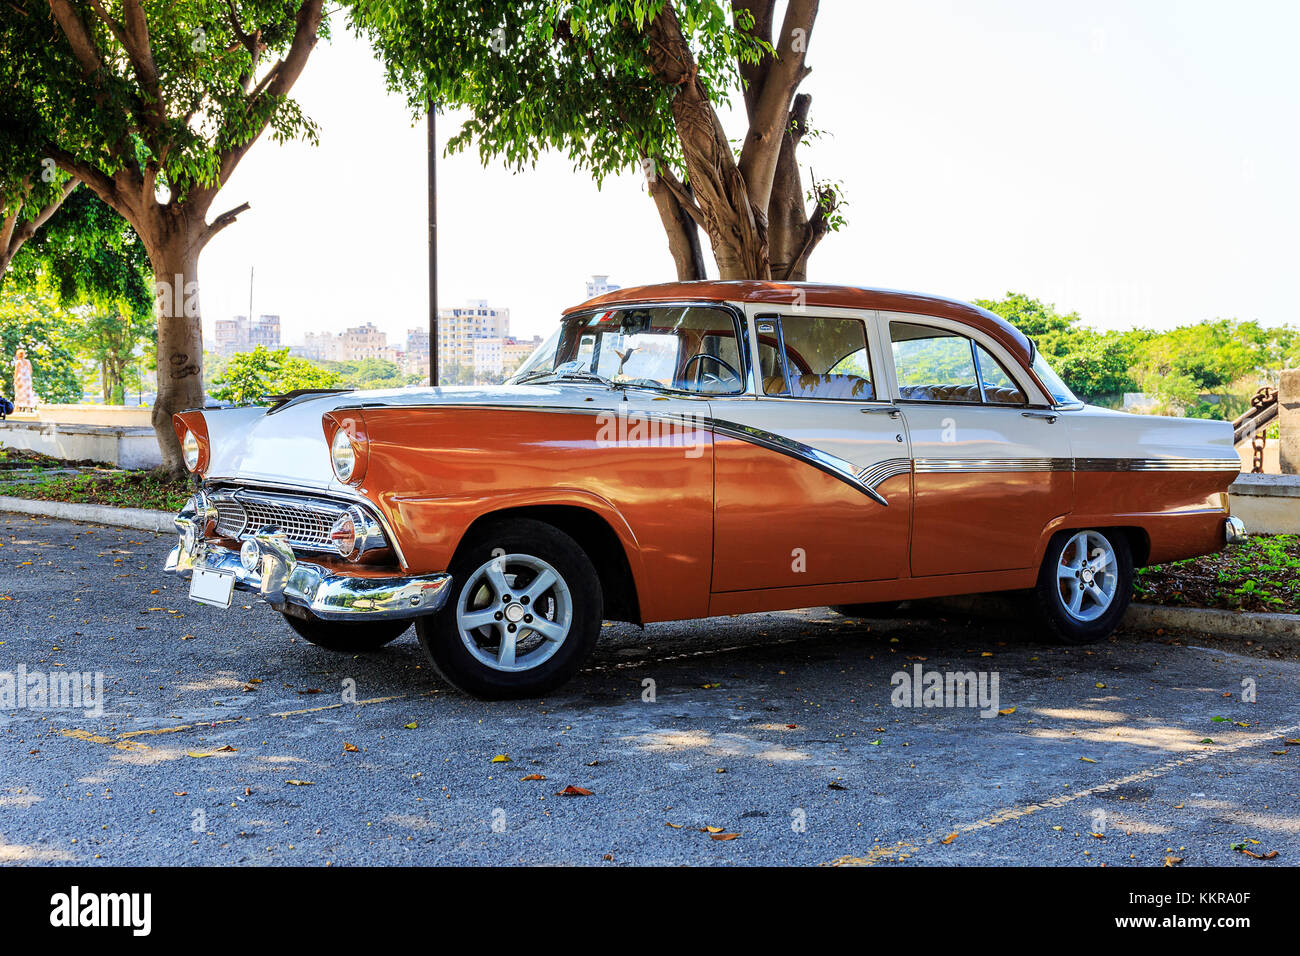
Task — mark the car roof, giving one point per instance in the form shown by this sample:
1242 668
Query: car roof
815 294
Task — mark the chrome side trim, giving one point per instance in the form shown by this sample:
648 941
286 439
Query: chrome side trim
970 465
874 475
978 465
830 464
1157 464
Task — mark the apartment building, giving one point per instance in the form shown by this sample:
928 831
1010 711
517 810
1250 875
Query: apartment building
238 334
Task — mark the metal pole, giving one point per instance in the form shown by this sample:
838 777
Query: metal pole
433 249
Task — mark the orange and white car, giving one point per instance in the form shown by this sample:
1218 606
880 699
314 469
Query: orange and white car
690 450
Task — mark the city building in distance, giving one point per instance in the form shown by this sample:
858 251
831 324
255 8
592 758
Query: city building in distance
599 285
351 345
241 335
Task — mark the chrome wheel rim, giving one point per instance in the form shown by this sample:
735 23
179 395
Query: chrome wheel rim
514 612
1087 576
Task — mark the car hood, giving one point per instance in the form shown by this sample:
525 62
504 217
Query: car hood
286 445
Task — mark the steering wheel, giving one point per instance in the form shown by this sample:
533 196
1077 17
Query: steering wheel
709 376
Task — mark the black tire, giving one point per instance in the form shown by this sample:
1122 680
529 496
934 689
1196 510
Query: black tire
1051 595
879 609
511 544
355 637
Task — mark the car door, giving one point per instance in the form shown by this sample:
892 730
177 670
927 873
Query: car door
991 470
812 471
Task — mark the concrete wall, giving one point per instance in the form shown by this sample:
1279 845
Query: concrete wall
125 447
1288 417
127 416
1268 504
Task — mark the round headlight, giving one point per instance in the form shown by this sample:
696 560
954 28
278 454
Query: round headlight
190 449
342 455
250 555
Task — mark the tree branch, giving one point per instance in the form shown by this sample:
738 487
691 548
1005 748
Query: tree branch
222 221
83 45
762 146
277 84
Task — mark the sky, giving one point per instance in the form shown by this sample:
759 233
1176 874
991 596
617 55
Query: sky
1134 162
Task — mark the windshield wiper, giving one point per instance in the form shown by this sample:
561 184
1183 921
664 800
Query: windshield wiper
569 374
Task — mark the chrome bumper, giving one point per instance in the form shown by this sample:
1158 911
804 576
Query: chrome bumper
280 578
1234 531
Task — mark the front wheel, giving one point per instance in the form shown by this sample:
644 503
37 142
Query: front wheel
1084 585
524 616
354 636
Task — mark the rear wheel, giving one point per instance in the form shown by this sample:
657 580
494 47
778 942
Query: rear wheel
1084 585
354 636
524 616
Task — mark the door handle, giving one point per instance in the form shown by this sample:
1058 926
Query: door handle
889 410
1049 417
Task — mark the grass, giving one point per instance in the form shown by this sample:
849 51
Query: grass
1261 575
158 489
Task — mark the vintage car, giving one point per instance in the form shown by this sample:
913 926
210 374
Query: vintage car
691 450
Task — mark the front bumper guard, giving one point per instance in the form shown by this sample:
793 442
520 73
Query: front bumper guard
280 578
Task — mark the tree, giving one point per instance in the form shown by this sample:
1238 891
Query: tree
153 112
369 373
632 84
100 269
250 377
35 321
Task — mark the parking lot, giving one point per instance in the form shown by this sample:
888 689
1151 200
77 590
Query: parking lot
763 739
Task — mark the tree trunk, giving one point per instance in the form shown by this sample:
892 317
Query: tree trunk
174 254
787 217
737 231
683 234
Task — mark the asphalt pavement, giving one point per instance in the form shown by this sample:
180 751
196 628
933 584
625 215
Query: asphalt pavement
757 739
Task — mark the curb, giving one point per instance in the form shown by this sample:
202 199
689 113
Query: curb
1259 626
140 519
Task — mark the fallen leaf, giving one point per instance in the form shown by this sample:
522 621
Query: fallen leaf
180 793
1087 760
675 826
835 786
191 753
300 783
1173 860
572 791
708 829
1101 686
534 776
501 758
227 749
949 838
1008 710
411 726
723 836
349 748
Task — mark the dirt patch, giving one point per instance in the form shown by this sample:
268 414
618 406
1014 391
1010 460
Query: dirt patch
1261 575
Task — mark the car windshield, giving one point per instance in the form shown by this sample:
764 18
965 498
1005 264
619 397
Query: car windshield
1061 393
678 348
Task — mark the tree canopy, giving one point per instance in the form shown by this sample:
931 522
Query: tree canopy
152 110
631 84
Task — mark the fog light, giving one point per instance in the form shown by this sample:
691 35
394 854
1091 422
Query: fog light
344 535
250 555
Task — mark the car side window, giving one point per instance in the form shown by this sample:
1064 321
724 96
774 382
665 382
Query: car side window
999 388
933 365
824 358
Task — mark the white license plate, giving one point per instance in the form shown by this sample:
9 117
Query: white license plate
212 587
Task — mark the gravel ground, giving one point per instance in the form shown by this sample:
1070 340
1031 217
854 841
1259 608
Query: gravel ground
778 728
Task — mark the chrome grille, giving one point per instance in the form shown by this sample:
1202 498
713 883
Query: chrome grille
305 522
